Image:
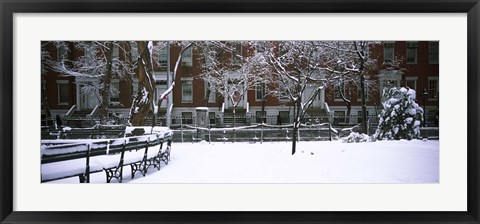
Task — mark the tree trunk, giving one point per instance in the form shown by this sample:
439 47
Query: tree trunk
349 111
347 103
364 106
296 124
362 59
263 114
106 80
45 107
207 96
234 121
143 102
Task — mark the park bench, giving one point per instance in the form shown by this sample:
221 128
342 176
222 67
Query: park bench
110 156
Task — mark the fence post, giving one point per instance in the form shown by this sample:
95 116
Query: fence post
298 133
330 131
224 137
368 126
286 134
87 167
181 132
209 135
261 135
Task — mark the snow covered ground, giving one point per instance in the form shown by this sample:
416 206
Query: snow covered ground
401 161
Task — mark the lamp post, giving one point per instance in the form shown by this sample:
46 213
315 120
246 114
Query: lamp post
424 95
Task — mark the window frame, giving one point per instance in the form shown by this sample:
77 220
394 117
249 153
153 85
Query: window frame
184 81
133 51
415 52
262 88
437 54
64 83
410 79
163 57
235 59
112 83
339 119
429 89
115 51
392 55
261 47
212 98
62 53
187 117
359 115
359 93
335 88
187 57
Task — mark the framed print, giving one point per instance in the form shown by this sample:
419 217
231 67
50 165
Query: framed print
319 177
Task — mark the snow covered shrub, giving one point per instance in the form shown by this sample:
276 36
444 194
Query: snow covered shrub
401 115
356 137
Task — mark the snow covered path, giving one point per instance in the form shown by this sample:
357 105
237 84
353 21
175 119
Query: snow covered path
315 162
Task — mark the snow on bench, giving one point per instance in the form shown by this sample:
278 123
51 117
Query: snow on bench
59 157
65 169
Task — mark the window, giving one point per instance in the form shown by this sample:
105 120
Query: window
411 82
116 51
115 91
209 59
89 50
359 93
61 52
283 93
187 117
133 51
62 88
411 52
259 92
236 53
338 94
211 94
433 88
388 84
261 117
260 46
433 52
211 116
161 87
135 87
388 52
338 117
187 57
187 91
284 117
163 57
359 116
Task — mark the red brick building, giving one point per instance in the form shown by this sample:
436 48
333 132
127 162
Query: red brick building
413 64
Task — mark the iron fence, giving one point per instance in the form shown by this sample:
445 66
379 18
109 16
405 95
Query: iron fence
219 121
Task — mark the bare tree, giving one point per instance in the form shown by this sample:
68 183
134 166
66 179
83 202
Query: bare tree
267 81
95 69
233 68
143 101
46 63
350 61
297 65
185 45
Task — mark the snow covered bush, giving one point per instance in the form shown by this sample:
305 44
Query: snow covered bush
356 137
401 115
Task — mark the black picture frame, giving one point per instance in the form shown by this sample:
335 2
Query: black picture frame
9 7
